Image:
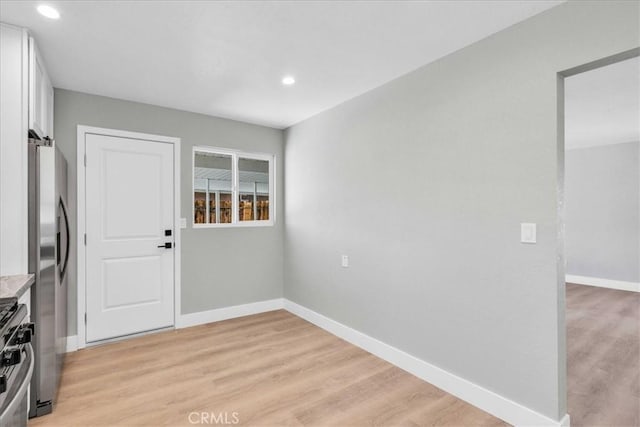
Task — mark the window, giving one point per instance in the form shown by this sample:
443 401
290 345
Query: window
232 188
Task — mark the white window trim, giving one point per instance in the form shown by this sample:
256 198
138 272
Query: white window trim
235 154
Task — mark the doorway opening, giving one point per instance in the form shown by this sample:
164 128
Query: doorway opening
599 144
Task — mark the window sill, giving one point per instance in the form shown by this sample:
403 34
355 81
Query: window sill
243 224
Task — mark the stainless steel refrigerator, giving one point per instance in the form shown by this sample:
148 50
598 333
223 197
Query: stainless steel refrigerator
49 242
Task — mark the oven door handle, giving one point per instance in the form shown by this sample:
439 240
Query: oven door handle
22 389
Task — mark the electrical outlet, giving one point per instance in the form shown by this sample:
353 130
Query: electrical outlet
528 233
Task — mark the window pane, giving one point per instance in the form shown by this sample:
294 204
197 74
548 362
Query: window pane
212 180
225 208
200 207
253 196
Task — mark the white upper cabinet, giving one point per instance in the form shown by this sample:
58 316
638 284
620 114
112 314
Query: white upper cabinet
26 103
14 227
40 94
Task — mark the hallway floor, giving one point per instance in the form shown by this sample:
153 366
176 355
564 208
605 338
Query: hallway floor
603 356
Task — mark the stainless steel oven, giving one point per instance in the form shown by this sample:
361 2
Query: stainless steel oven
16 364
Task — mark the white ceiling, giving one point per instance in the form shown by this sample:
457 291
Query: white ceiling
227 58
602 106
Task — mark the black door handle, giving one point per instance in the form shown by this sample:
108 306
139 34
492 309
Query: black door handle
167 245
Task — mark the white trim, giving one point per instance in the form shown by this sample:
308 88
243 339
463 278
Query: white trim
81 221
177 259
565 421
202 317
268 223
599 145
499 406
603 283
80 227
25 154
72 343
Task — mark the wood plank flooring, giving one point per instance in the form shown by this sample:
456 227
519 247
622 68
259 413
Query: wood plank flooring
268 369
603 356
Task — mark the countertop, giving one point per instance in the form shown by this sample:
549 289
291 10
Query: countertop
13 287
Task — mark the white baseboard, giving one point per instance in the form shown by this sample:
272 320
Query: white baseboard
72 343
603 283
493 403
202 317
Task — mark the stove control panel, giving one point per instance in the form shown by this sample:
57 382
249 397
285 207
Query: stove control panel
23 334
10 357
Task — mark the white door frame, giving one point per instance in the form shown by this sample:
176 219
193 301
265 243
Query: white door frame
81 219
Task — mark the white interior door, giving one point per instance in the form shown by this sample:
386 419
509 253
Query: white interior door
129 205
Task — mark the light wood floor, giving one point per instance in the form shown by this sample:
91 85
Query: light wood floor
603 356
271 369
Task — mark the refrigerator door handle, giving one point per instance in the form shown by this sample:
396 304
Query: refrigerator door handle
63 270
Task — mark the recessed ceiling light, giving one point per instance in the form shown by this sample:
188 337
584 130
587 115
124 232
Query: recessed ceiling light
48 11
288 80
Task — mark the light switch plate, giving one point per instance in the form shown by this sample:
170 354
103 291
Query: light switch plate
183 222
528 232
345 261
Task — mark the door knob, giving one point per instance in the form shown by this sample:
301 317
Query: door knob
167 245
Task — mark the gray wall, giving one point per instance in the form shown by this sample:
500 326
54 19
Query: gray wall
220 267
424 182
602 195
